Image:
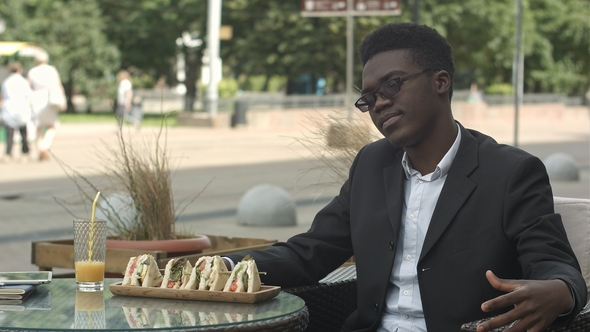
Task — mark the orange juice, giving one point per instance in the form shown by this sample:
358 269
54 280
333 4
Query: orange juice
89 271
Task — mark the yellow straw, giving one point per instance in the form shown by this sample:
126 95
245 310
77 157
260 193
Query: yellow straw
94 206
91 238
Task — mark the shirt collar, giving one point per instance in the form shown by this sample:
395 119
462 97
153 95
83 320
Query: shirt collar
443 166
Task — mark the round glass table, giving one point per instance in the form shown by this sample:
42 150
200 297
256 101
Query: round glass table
59 307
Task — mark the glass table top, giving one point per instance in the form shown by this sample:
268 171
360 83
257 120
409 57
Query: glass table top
59 307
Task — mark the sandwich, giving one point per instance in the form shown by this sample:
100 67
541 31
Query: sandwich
218 276
244 278
209 273
142 271
139 317
197 273
177 273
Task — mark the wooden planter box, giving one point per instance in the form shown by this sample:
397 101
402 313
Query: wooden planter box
48 255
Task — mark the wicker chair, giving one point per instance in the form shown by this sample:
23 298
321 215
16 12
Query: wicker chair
330 301
580 324
334 298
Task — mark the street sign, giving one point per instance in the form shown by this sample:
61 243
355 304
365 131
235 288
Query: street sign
319 8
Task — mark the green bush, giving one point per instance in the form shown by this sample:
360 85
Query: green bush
253 83
143 81
277 83
227 87
256 83
499 89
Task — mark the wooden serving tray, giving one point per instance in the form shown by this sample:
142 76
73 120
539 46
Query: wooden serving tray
265 293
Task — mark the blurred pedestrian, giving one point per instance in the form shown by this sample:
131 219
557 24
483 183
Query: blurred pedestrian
474 95
136 114
124 96
16 109
48 100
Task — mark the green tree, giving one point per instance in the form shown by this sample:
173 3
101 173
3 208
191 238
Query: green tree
556 41
71 32
271 38
146 31
558 57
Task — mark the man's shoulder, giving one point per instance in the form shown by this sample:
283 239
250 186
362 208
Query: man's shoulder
33 71
486 141
490 150
41 69
378 153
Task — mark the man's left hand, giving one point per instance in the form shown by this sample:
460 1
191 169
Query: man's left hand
536 303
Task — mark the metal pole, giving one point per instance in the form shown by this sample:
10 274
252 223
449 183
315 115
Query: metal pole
349 55
213 26
517 72
416 12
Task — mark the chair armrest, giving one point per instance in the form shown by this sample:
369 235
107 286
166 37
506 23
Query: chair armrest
581 323
330 301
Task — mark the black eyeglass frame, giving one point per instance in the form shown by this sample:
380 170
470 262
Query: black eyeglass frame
395 85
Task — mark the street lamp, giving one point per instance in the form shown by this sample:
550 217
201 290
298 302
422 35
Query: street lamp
213 26
190 42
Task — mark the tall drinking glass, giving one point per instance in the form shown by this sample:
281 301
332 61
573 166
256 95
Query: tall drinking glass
89 254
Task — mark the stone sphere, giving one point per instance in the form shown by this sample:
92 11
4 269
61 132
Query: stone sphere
267 205
121 203
561 167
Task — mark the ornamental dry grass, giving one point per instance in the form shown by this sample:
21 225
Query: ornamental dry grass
334 141
141 172
144 174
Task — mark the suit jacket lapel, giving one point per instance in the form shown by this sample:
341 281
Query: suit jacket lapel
394 177
455 191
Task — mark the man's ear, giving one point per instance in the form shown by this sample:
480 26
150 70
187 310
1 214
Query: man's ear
442 80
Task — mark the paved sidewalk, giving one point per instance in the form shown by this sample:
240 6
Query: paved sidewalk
233 160
82 146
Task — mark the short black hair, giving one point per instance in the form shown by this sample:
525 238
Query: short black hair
426 48
15 67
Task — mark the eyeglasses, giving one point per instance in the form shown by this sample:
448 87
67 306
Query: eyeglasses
386 90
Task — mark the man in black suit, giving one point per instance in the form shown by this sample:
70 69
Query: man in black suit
435 214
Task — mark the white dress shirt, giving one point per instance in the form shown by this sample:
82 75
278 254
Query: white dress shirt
403 310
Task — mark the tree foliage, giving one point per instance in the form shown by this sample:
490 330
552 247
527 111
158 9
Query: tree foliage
90 39
71 32
271 38
556 37
559 53
146 33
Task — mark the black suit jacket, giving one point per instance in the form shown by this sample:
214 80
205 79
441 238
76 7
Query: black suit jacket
495 212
